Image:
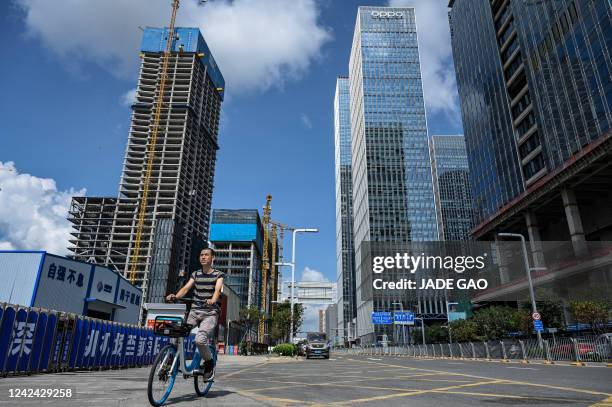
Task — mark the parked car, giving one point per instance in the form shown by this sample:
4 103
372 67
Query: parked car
316 345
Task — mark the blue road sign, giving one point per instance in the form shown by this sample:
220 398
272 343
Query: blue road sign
538 325
403 318
382 318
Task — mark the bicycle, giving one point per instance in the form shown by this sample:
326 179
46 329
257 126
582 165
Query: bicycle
171 360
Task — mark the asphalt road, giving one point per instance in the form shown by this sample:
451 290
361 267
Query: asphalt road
343 380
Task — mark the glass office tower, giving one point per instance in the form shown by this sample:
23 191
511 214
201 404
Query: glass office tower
451 174
345 250
393 198
536 101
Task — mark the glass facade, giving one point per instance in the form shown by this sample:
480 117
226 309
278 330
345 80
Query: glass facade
455 211
534 92
393 197
345 250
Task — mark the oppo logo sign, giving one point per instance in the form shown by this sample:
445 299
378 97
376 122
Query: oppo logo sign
387 14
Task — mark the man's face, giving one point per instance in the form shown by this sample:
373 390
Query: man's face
206 257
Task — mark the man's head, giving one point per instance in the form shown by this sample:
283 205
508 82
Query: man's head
207 256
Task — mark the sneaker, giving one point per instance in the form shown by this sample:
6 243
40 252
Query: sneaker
208 369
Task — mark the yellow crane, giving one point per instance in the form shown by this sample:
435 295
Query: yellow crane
152 145
265 266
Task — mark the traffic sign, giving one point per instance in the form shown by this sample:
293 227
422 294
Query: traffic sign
538 325
536 316
382 318
403 318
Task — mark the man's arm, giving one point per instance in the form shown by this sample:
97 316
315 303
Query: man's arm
181 293
217 294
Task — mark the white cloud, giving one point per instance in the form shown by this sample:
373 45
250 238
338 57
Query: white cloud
311 318
439 80
256 43
306 121
309 274
129 97
33 212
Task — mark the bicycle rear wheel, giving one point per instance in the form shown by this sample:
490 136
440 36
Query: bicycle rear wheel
203 386
161 378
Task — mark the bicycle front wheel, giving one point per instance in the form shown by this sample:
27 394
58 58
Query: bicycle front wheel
161 377
203 386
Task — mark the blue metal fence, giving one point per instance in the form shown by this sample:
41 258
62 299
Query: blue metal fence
34 340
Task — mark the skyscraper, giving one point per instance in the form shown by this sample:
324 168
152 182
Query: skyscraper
345 250
393 197
180 189
536 100
451 175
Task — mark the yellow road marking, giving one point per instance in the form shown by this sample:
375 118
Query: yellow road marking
603 403
414 393
506 381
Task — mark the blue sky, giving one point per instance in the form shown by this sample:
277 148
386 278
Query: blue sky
67 69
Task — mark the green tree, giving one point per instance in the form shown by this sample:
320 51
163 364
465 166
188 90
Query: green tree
464 330
249 318
595 313
494 322
281 320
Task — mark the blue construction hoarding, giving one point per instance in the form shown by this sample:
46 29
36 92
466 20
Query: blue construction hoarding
33 340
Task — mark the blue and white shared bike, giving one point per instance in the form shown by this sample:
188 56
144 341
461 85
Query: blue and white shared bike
171 359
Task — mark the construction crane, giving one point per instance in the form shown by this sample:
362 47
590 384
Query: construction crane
152 145
265 267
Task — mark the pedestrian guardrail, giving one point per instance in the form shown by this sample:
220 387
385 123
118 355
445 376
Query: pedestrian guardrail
35 340
577 350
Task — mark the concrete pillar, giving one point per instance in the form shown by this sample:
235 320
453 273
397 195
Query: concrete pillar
503 267
535 241
574 222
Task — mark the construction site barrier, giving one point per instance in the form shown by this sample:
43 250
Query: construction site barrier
35 340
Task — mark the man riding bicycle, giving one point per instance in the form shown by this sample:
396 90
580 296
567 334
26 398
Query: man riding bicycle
205 310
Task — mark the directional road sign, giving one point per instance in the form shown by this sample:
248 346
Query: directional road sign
403 318
382 318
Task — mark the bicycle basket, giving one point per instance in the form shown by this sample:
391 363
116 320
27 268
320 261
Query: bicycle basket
170 326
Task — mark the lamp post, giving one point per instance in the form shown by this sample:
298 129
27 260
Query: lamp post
422 328
295 231
401 325
528 269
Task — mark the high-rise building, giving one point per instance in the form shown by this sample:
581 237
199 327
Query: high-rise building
181 181
92 221
451 175
536 101
393 198
345 250
237 236
331 324
322 320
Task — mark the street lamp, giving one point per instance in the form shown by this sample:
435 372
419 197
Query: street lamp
528 270
295 231
401 326
422 328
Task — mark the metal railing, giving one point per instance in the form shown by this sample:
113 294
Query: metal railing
577 350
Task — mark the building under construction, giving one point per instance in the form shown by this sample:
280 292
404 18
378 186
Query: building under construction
180 180
92 222
239 240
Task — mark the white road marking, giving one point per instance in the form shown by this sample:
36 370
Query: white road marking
373 359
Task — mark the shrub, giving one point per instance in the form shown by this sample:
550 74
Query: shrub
285 349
